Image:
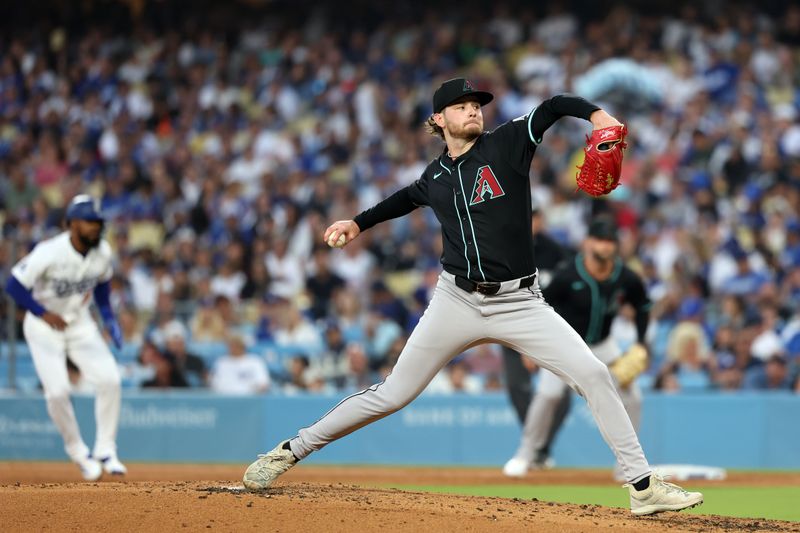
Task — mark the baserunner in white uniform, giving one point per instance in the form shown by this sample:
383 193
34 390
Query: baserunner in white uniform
479 190
54 283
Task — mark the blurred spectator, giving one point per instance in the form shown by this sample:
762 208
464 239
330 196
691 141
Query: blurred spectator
354 265
667 380
257 281
285 270
299 375
214 321
772 375
239 372
321 284
379 334
18 193
745 282
359 376
162 369
333 364
189 365
688 350
228 282
385 303
293 331
131 331
455 378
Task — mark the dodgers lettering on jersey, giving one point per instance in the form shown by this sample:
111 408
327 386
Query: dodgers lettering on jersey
61 278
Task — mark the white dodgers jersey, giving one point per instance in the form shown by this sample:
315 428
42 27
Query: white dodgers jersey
61 278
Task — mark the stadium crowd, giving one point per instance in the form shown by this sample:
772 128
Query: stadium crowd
222 145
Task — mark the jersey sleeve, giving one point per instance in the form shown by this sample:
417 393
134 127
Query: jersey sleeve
397 205
31 267
636 296
519 138
516 143
552 109
418 191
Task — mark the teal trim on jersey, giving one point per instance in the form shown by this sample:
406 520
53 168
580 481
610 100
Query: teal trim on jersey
530 131
463 237
471 227
444 167
598 303
617 270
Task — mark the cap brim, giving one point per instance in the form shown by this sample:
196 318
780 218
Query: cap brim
482 97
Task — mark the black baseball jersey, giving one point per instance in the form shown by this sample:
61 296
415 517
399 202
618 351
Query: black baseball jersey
482 198
590 305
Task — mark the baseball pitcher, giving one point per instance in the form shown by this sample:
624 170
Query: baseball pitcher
479 190
55 283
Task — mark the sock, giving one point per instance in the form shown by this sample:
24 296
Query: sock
642 484
286 446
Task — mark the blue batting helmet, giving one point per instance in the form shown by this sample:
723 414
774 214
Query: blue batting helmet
84 207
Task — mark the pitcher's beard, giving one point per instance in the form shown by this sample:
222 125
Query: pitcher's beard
466 134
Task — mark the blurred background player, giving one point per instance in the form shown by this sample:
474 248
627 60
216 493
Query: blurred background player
588 292
54 283
549 255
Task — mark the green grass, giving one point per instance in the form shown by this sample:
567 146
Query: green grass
780 503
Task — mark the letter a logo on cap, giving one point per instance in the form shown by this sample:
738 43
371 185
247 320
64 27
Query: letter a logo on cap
468 86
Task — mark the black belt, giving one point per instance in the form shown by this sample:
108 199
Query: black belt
489 287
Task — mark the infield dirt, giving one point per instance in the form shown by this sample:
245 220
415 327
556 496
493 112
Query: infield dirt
49 497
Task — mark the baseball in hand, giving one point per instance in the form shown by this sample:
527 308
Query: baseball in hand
337 243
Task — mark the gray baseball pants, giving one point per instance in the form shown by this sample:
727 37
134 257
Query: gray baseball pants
456 320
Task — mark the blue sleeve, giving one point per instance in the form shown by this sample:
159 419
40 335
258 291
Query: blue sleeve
23 296
102 296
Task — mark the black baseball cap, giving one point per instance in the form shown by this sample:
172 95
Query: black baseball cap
451 90
603 228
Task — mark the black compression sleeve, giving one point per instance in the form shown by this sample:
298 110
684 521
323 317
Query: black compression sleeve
558 106
642 319
394 206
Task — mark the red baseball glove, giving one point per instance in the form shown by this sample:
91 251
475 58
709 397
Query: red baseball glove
602 165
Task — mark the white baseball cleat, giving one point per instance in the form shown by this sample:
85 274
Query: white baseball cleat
113 466
661 496
516 467
90 468
269 466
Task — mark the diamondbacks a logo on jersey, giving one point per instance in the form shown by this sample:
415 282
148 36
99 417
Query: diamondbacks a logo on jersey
486 184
